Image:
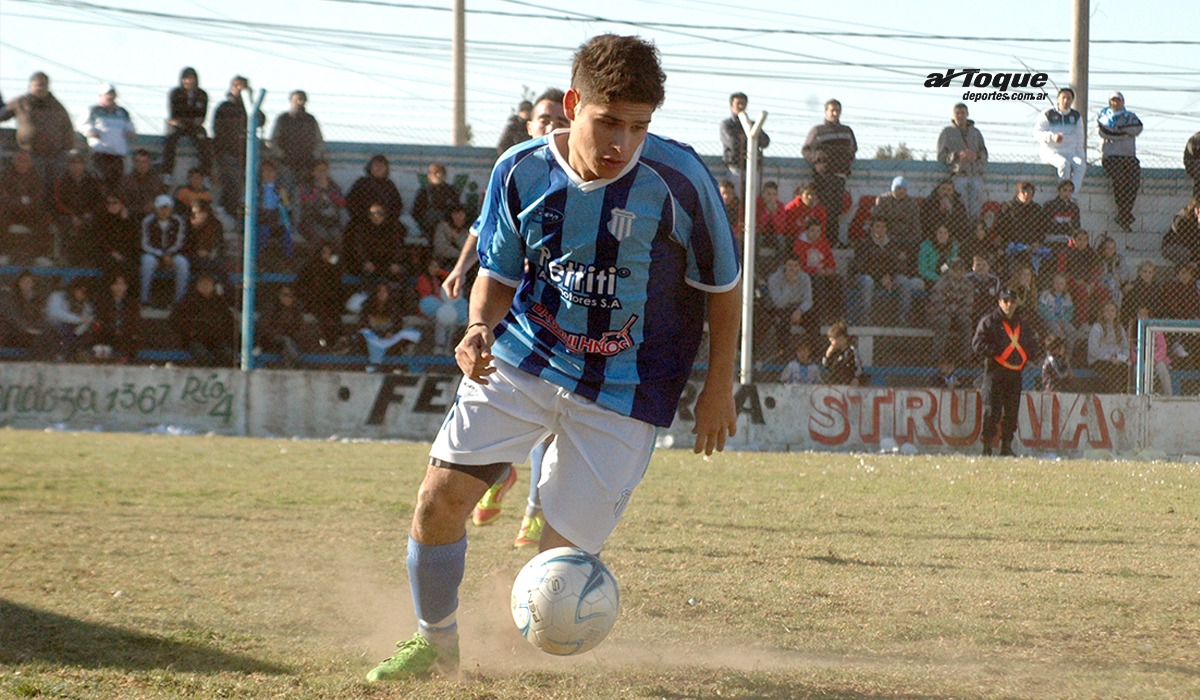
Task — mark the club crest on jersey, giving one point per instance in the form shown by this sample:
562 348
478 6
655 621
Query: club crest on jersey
609 343
620 223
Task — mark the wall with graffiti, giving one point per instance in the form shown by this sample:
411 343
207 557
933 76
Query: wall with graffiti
411 407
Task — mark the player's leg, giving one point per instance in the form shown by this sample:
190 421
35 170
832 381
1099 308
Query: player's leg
533 522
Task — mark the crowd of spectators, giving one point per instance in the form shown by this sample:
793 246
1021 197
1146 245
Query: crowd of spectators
934 260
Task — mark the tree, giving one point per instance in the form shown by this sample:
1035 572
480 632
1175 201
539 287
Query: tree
901 152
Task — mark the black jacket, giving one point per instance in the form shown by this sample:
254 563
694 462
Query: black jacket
991 340
189 109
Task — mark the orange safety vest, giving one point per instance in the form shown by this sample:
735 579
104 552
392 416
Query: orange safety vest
1014 345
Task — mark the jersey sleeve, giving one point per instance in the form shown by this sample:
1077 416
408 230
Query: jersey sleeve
713 264
501 248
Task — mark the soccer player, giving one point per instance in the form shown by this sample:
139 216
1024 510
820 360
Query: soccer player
604 249
547 116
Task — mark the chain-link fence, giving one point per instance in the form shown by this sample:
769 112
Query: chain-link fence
350 270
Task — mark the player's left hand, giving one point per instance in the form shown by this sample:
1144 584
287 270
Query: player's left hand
716 419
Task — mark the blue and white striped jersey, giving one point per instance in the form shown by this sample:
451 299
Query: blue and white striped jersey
611 275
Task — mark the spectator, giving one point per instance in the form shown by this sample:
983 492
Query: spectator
1062 214
187 106
733 144
1060 131
72 317
1142 291
321 290
935 255
434 201
902 213
1108 350
1119 129
115 238
1056 368
22 205
44 130
229 145
23 318
118 321
815 254
514 130
1160 355
274 216
1191 162
296 140
1113 273
803 207
1021 220
322 206
1081 263
450 236
987 286
381 325
880 263
1182 242
374 188
840 362
205 243
77 198
163 236
951 308
108 129
944 206
282 329
203 321
1181 298
803 367
790 304
447 314
1023 284
961 149
194 191
377 245
771 229
830 148
981 242
1057 310
733 208
947 376
141 186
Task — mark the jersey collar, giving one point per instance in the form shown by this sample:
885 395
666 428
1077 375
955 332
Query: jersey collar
589 185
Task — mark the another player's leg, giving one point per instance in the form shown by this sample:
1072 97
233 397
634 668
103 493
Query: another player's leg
437 549
492 502
530 533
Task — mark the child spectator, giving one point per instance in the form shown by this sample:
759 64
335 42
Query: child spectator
1062 214
1142 291
206 242
322 206
815 254
987 287
1108 350
282 328
802 368
1057 311
1113 273
1161 358
943 206
274 219
802 208
840 363
1056 368
447 314
118 321
23 318
434 201
1081 263
381 325
773 241
450 236
980 242
72 316
790 303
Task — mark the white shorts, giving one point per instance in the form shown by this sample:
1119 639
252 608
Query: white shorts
596 460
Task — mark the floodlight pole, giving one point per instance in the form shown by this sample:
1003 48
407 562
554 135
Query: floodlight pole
749 190
250 229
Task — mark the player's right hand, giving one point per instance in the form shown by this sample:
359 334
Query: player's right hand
473 354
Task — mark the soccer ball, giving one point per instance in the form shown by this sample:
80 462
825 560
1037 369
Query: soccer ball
565 601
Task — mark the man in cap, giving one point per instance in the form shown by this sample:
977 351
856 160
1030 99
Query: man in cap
163 236
1007 343
1119 129
108 129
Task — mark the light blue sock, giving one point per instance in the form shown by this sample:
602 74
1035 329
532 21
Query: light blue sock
434 574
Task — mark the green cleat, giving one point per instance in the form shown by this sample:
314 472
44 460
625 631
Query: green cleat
489 506
530 534
416 658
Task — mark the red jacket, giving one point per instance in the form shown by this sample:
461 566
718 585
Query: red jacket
815 257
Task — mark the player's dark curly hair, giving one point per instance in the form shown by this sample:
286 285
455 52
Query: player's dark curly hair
611 68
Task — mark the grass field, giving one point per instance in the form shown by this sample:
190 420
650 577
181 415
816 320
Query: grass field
136 566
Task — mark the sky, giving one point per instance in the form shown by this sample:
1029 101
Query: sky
379 70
